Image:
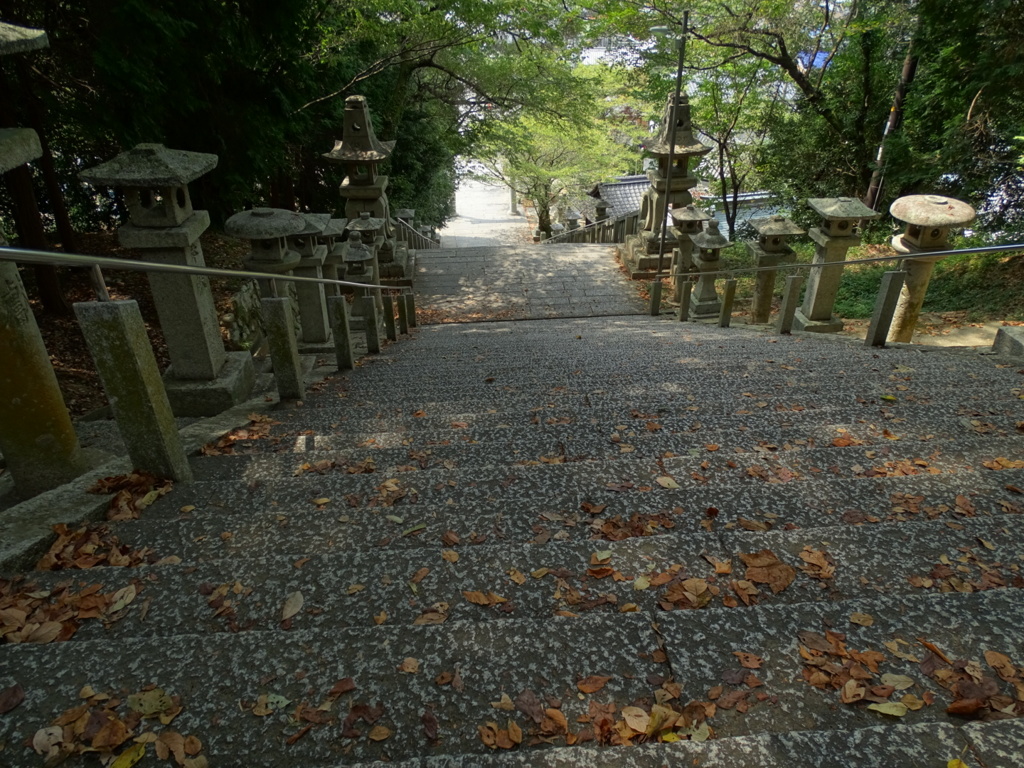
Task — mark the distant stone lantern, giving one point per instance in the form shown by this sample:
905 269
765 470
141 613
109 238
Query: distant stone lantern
929 219
316 326
688 221
709 244
267 229
203 379
642 250
833 238
572 219
771 247
364 188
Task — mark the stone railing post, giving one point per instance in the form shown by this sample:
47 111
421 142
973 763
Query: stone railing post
37 438
118 343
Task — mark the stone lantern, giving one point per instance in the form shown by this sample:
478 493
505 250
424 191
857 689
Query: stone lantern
203 379
267 229
572 219
929 219
557 229
709 244
833 238
771 247
364 188
334 264
316 326
688 221
642 249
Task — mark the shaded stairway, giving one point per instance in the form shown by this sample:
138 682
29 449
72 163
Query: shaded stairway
549 522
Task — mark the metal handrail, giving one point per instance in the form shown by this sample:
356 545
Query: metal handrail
819 265
75 260
593 225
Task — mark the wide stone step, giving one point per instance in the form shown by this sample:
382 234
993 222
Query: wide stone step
366 587
220 676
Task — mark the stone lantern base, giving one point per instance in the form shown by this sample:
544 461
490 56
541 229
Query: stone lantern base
208 397
802 323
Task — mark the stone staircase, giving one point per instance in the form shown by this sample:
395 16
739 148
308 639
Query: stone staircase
562 524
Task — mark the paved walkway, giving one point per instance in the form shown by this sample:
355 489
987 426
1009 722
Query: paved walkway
483 218
488 269
520 283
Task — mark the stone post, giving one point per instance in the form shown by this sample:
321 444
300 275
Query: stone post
929 219
203 379
284 347
316 328
338 307
513 203
836 235
118 343
770 248
885 305
37 438
710 242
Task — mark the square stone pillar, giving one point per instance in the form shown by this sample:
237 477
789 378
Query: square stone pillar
124 358
37 438
823 283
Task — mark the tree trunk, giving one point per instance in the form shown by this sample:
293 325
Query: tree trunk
68 237
874 192
27 221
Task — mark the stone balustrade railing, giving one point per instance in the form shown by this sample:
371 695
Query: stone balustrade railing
37 438
614 230
694 287
414 238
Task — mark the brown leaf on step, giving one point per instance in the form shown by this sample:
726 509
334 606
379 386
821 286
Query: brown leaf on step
419 575
754 525
1000 662
301 562
592 684
341 687
379 733
11 697
409 665
430 724
530 705
817 564
748 660
479 598
444 678
764 567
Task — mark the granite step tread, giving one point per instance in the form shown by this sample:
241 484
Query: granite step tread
224 671
351 588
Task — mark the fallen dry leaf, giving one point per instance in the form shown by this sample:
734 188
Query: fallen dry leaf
292 605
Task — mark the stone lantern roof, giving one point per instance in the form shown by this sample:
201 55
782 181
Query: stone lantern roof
316 224
151 165
776 226
686 142
335 228
841 208
264 224
359 144
690 213
365 223
710 239
932 211
18 39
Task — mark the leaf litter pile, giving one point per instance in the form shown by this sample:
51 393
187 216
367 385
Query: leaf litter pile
995 693
121 729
